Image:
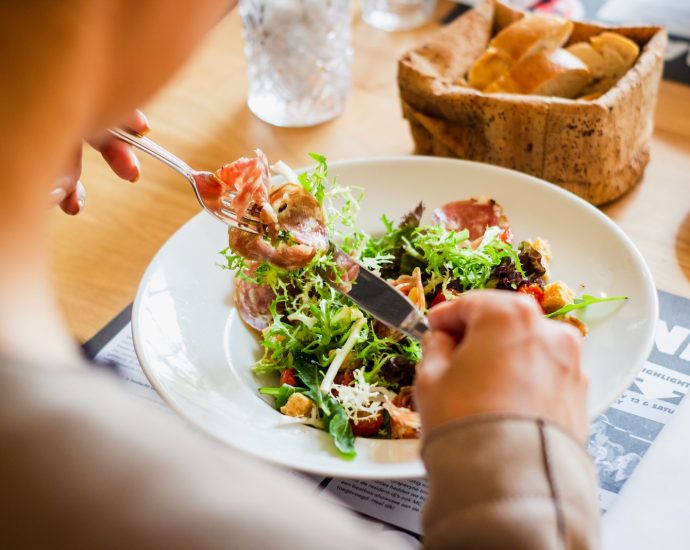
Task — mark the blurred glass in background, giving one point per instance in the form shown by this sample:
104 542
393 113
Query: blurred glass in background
397 15
299 56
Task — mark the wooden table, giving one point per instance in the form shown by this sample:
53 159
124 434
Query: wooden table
100 255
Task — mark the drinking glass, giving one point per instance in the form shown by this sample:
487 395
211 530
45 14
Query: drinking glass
299 55
397 15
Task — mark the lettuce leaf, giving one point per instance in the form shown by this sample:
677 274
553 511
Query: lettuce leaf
583 302
334 417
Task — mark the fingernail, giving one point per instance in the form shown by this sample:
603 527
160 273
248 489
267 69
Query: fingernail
135 161
141 123
145 120
81 196
58 195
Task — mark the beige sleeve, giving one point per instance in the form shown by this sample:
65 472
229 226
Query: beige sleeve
499 482
84 465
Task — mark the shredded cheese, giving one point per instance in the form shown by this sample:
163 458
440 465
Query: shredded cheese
361 401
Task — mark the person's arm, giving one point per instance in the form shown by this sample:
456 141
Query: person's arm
503 400
84 464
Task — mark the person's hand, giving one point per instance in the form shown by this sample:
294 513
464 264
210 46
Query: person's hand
494 351
70 193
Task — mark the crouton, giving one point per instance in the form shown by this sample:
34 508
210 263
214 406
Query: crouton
572 320
557 295
298 405
405 423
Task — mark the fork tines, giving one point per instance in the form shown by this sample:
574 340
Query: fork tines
227 207
249 224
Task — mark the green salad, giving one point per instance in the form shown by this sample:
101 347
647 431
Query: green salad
335 366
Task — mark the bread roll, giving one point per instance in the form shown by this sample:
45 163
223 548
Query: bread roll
553 73
612 44
490 66
595 62
608 57
532 35
521 39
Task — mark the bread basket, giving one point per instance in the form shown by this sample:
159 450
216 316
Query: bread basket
597 148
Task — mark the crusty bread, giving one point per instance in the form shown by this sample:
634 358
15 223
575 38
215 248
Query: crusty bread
519 40
552 73
532 35
595 62
613 45
608 57
488 68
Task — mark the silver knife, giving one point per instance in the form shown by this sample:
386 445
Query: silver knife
375 296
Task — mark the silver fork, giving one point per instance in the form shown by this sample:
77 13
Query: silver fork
212 194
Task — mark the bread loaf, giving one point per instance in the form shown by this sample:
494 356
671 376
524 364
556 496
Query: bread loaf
531 35
488 68
552 73
612 45
522 39
608 57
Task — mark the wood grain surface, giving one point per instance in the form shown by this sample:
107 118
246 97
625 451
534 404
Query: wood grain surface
100 255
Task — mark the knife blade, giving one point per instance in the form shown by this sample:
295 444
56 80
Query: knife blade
375 296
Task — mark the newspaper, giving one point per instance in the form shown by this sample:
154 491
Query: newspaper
621 436
618 440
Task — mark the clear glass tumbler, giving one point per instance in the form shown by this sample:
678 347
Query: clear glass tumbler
397 15
299 54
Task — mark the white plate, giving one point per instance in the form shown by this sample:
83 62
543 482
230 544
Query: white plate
197 353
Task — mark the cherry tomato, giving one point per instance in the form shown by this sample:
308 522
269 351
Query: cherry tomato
344 378
288 377
438 299
441 297
507 235
368 426
533 290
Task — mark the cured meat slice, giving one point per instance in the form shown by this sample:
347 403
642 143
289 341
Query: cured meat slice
251 179
299 214
257 248
475 215
253 301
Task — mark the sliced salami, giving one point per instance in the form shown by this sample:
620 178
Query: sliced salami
475 215
251 180
298 213
253 301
